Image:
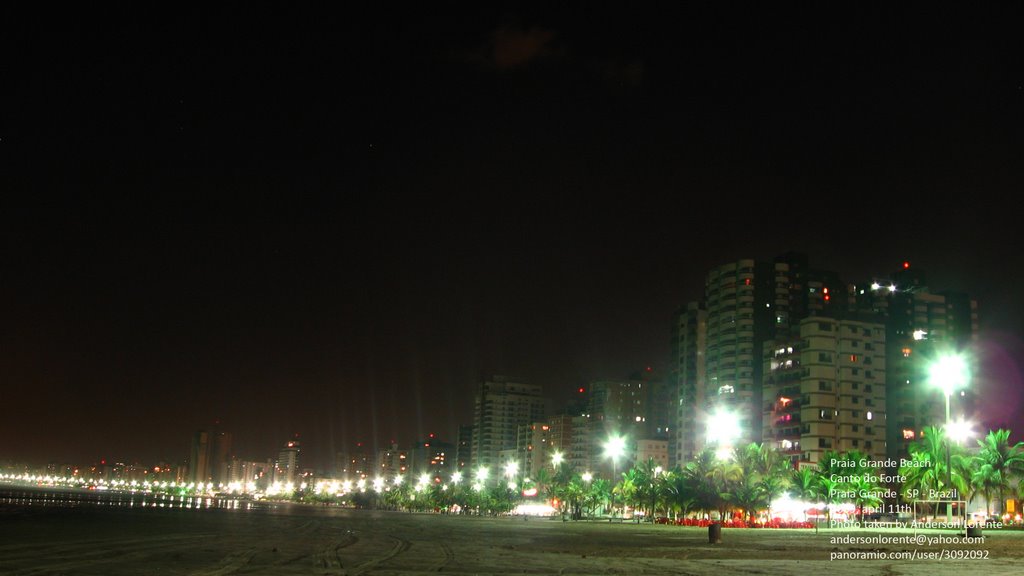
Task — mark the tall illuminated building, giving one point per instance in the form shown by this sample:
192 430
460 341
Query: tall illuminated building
432 456
921 325
825 390
286 467
220 457
464 446
199 458
689 344
501 405
391 462
570 435
719 342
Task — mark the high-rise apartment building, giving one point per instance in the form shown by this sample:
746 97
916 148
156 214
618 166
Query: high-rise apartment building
199 459
571 436
220 457
286 468
921 326
825 390
251 475
500 407
464 447
636 409
719 343
810 363
391 462
689 344
433 457
534 448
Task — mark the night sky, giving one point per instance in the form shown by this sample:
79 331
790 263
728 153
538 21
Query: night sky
334 224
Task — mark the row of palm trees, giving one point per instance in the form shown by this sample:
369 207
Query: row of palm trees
745 483
994 469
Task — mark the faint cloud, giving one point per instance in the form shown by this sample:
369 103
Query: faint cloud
514 47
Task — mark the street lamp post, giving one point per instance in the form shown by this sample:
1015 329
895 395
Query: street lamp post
512 473
948 374
654 493
614 448
949 463
722 429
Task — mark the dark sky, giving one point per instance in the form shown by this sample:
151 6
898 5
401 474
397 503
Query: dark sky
332 224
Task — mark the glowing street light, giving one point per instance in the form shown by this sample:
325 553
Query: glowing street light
481 475
948 374
511 468
723 427
511 472
456 477
556 459
587 477
960 430
614 448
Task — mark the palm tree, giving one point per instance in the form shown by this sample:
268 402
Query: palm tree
630 489
827 492
662 493
985 479
648 485
804 485
996 451
571 496
866 491
696 475
927 467
773 471
678 495
722 477
772 487
746 495
598 494
542 482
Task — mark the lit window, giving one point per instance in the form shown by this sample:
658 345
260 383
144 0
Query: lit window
908 434
870 416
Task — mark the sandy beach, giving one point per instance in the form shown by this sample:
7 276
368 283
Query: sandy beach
296 539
